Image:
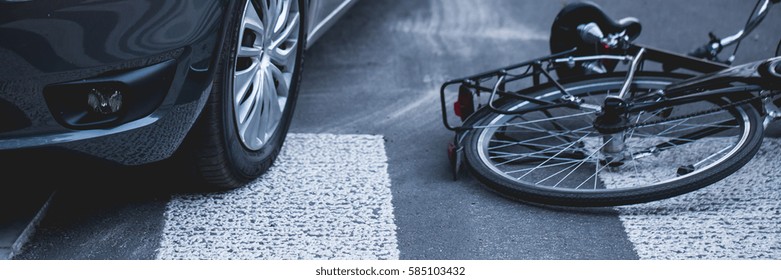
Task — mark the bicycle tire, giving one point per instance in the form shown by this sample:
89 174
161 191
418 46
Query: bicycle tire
744 125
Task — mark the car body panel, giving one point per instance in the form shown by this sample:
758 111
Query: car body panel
323 14
49 42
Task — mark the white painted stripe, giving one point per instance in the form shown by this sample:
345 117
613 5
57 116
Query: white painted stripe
326 197
736 218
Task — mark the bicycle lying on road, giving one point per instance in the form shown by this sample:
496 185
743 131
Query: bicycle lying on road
604 121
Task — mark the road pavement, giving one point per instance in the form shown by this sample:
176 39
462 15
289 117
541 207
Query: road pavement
365 174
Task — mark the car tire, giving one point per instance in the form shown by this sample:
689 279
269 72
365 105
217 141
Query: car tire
246 118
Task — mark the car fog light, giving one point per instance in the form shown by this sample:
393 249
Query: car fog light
105 101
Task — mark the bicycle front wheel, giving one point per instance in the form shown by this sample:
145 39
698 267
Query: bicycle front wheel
558 157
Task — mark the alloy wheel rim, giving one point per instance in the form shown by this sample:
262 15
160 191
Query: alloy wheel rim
264 66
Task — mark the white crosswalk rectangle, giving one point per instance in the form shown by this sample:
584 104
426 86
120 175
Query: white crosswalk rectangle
735 219
327 197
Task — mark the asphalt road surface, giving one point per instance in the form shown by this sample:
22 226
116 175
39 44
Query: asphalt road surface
365 175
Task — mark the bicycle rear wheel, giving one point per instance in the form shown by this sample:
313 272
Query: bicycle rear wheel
557 157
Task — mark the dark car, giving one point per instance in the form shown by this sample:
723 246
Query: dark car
137 81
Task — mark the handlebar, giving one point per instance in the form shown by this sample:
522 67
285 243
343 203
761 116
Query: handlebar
713 48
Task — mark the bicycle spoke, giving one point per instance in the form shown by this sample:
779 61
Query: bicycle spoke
570 145
632 131
541 129
535 121
559 172
595 174
535 157
574 162
591 155
536 153
530 146
725 149
534 139
723 124
555 124
669 121
688 138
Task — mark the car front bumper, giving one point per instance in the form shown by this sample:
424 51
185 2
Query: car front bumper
71 42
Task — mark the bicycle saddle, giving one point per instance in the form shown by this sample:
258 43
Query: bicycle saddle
564 32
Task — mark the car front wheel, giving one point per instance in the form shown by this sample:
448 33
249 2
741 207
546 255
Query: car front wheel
244 123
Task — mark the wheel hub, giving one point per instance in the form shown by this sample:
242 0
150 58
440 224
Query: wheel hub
612 119
611 122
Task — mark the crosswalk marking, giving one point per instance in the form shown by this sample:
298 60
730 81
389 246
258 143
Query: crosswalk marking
736 218
327 197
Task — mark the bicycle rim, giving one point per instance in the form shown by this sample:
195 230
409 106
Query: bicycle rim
556 156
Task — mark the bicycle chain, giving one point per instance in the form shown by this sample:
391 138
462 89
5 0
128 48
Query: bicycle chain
703 112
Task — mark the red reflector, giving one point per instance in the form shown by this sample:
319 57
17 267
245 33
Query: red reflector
457 108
